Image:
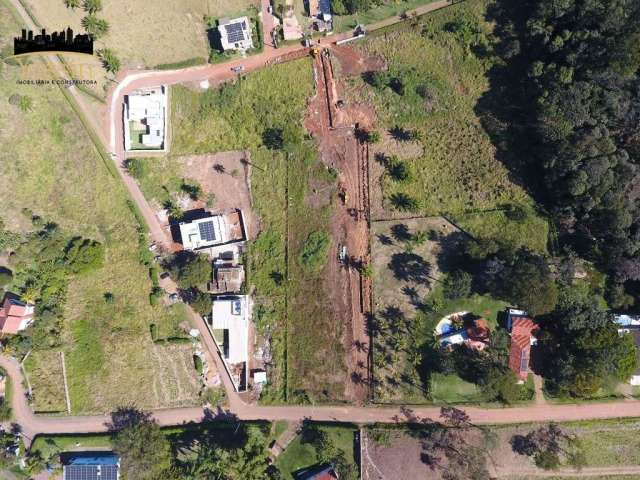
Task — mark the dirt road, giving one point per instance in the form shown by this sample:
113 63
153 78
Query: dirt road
584 473
32 424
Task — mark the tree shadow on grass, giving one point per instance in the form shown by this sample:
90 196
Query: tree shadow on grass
410 267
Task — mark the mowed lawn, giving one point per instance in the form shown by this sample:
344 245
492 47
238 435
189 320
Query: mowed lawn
458 173
146 33
48 164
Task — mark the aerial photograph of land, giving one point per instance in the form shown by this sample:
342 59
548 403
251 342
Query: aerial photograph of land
319 239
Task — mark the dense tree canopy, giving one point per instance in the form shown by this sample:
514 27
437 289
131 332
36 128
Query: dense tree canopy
570 74
581 348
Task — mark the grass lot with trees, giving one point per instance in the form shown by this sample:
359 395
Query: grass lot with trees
446 80
256 114
320 444
72 192
436 75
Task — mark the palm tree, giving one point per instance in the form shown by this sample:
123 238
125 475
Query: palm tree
92 6
96 27
110 62
72 4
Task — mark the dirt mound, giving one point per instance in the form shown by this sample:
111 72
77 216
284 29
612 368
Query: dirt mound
353 62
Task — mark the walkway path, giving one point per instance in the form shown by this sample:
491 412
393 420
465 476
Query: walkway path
539 390
282 442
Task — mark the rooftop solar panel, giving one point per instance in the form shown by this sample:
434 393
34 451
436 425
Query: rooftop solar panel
91 472
206 231
235 31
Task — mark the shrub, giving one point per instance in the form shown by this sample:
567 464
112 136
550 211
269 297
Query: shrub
457 285
189 269
95 27
155 295
110 62
92 6
404 203
153 329
314 251
398 170
197 363
215 396
136 168
6 276
194 190
272 138
83 255
201 302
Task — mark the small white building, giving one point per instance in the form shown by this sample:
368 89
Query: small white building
235 34
231 315
145 117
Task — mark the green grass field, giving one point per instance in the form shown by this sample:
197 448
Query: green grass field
443 79
49 165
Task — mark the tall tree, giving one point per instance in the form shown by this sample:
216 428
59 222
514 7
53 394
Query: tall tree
145 453
581 347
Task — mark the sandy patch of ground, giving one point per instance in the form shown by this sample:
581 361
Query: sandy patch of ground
402 275
225 177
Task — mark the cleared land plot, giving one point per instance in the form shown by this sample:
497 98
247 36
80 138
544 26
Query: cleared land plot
224 177
607 444
44 369
61 178
434 82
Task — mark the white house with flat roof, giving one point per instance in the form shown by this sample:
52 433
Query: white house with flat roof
145 117
235 34
231 315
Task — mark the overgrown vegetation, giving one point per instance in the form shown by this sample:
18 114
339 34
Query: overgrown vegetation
79 194
436 74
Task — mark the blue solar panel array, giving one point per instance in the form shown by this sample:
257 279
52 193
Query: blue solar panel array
235 31
91 472
206 231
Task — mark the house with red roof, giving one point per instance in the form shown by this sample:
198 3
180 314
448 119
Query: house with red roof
522 329
15 315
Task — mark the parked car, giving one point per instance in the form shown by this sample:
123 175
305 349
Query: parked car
238 69
164 275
